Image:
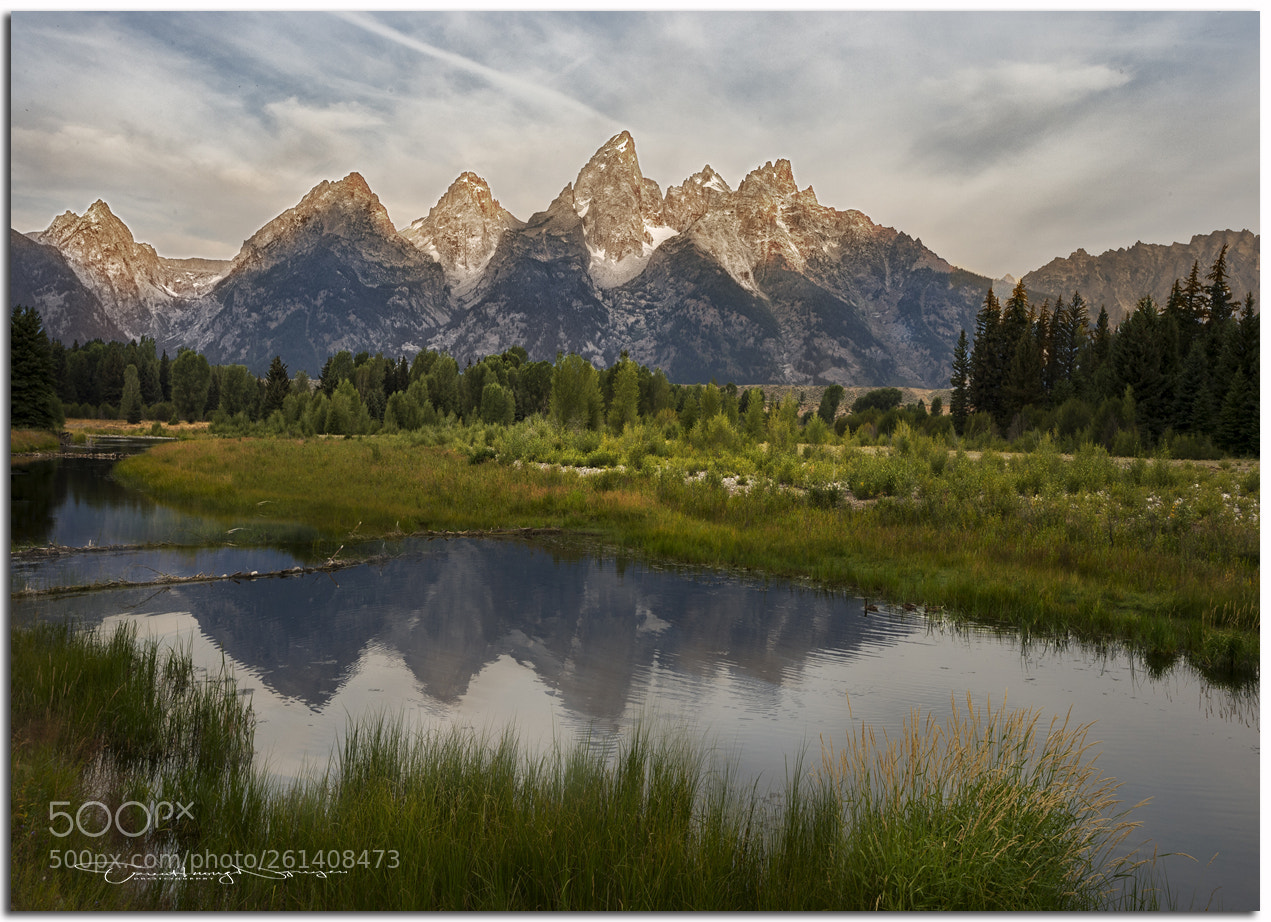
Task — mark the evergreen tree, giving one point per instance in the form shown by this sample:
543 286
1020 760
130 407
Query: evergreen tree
1024 385
165 376
191 384
130 405
1139 359
830 401
1237 425
1220 306
1099 380
959 402
1191 411
277 387
624 409
33 402
1194 302
984 386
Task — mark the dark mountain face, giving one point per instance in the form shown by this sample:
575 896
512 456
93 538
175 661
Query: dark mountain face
536 292
40 277
329 274
686 315
761 283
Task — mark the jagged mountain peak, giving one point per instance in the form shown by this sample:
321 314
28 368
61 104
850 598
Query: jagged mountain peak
462 230
776 179
621 211
126 276
694 198
344 208
98 220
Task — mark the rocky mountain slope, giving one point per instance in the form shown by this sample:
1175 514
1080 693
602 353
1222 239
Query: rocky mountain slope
331 273
760 283
1117 279
41 276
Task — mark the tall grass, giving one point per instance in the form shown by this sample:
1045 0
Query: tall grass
982 811
31 440
455 820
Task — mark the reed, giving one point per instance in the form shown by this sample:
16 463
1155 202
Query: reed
982 811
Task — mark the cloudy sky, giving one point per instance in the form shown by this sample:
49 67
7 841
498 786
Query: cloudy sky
1002 140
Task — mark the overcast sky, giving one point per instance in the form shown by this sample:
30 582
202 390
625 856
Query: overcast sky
1002 140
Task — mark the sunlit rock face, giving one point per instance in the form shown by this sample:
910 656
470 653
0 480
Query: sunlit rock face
126 277
462 230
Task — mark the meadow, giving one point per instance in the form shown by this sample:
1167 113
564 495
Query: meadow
1157 553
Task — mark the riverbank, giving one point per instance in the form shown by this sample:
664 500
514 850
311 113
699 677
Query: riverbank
1163 555
132 788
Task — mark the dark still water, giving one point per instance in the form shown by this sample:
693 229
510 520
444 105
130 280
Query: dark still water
557 642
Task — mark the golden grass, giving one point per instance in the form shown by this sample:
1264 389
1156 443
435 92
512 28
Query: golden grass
966 812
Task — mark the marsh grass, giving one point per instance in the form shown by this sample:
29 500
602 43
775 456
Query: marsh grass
456 820
1161 554
22 441
985 810
105 720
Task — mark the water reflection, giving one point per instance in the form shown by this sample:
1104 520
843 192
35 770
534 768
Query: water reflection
557 642
450 609
67 501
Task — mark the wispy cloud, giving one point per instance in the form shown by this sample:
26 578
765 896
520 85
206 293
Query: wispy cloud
517 85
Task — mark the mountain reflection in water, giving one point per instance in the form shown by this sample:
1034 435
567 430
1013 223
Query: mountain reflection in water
557 642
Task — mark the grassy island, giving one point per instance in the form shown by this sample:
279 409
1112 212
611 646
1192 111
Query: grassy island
1160 554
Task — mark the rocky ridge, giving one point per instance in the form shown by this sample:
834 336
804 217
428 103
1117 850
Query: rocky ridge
1116 279
758 283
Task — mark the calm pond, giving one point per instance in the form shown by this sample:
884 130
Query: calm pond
557 641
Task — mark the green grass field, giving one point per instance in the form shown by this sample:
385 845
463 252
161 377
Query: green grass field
1163 555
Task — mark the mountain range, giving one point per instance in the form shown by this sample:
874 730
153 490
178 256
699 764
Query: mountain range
758 283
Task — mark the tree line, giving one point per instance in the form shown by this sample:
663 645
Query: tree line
364 393
1183 377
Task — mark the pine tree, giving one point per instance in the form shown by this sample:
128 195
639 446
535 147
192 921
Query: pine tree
277 387
1137 357
1099 380
1191 412
1194 302
830 401
1024 385
33 402
1237 428
986 373
130 406
960 400
165 376
1220 306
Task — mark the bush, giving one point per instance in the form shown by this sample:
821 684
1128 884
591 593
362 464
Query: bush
163 411
882 398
